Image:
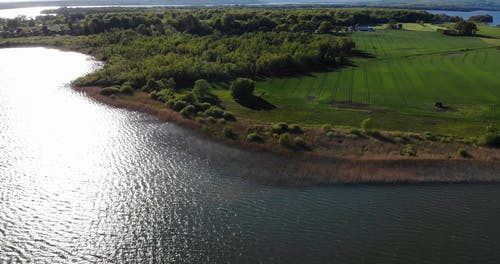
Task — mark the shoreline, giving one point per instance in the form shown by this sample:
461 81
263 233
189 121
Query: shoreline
326 167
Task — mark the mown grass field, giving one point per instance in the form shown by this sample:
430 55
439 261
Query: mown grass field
409 72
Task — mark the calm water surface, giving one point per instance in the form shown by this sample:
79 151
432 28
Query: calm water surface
467 15
86 183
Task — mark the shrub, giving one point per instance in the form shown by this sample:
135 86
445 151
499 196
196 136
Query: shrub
163 95
284 140
279 128
354 131
295 129
489 140
300 142
204 106
463 153
254 137
228 132
176 104
126 88
188 111
331 134
326 127
228 116
187 97
242 88
409 151
211 119
214 111
429 136
367 125
109 91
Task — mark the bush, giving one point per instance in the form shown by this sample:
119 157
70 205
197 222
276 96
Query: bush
242 88
367 125
109 91
429 136
126 88
254 137
188 111
228 132
409 151
300 142
211 119
295 129
176 104
326 127
279 128
204 106
163 95
463 153
228 116
284 140
214 111
489 140
331 134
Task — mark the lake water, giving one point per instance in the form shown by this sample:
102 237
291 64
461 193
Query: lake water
467 15
84 182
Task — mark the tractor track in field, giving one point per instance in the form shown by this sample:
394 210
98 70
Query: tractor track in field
433 53
336 88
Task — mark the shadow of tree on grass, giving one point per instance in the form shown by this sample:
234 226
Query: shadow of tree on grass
256 103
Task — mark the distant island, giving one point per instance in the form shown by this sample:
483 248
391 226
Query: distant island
361 85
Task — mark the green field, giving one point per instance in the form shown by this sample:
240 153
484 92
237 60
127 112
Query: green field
409 72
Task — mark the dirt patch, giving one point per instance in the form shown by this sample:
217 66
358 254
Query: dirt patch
358 106
451 54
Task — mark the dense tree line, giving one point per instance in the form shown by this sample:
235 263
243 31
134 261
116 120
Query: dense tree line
207 21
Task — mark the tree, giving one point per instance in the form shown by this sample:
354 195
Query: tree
465 28
324 27
242 89
200 89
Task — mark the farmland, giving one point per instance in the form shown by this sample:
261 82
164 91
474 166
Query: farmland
397 85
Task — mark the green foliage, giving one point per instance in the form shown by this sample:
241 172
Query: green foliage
163 95
214 111
188 111
463 153
228 116
126 88
109 91
285 141
300 143
331 134
367 125
409 150
279 128
326 127
242 89
489 140
466 28
228 132
294 128
201 89
254 137
211 119
176 104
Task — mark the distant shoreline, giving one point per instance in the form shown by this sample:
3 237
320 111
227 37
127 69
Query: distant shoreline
153 4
